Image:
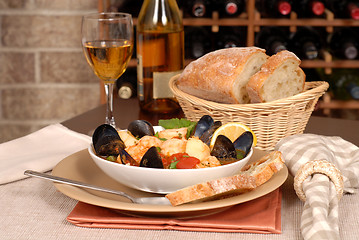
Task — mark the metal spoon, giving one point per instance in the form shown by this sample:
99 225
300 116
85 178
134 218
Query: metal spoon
142 200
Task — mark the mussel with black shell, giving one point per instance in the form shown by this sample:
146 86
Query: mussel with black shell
107 142
203 124
140 128
205 128
152 159
227 151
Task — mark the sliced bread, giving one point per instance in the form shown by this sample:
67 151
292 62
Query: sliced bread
222 75
248 179
279 77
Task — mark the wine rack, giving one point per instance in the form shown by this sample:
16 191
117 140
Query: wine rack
253 21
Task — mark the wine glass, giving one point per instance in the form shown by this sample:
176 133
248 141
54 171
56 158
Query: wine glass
107 40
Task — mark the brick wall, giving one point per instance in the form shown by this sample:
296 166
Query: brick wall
44 77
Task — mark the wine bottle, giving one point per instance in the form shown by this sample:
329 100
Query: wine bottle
228 37
345 8
344 43
198 41
160 54
310 8
272 39
305 43
198 8
230 8
274 8
344 83
127 84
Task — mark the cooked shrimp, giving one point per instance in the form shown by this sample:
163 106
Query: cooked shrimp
172 146
137 151
196 148
173 133
210 161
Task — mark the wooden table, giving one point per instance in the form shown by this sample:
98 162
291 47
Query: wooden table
127 110
34 209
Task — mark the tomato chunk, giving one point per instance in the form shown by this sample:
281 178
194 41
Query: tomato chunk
184 161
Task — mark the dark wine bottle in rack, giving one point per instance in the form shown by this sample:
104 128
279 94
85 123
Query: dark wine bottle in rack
198 41
344 43
306 43
197 8
345 8
274 8
272 39
310 8
230 8
127 84
228 37
344 83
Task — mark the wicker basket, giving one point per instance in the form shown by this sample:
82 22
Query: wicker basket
269 121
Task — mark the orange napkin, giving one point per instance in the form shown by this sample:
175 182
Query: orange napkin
261 215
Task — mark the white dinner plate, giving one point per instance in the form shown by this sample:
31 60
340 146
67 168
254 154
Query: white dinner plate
79 166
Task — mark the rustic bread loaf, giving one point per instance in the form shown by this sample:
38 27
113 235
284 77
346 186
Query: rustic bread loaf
248 179
222 75
279 77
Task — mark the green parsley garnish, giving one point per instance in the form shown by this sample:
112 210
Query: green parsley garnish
173 165
111 158
240 154
175 123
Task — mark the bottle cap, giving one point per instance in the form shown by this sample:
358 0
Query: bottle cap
125 92
350 52
199 10
310 50
277 46
353 90
230 44
231 8
318 8
354 11
284 7
197 50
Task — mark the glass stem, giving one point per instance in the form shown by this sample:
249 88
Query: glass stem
109 101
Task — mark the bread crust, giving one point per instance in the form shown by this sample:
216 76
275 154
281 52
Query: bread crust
249 178
221 75
263 169
255 86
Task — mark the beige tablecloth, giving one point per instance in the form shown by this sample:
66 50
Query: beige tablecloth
33 209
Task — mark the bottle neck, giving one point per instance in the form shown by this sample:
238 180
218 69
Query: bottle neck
197 49
353 11
230 44
126 91
350 51
276 46
231 8
159 15
199 9
284 8
310 50
317 7
353 90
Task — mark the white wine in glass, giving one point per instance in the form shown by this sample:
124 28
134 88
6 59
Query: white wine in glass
107 40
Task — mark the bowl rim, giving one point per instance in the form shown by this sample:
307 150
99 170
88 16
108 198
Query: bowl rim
93 154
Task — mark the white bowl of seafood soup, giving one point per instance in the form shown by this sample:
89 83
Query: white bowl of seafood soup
164 181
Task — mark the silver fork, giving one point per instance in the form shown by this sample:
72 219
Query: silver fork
142 200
